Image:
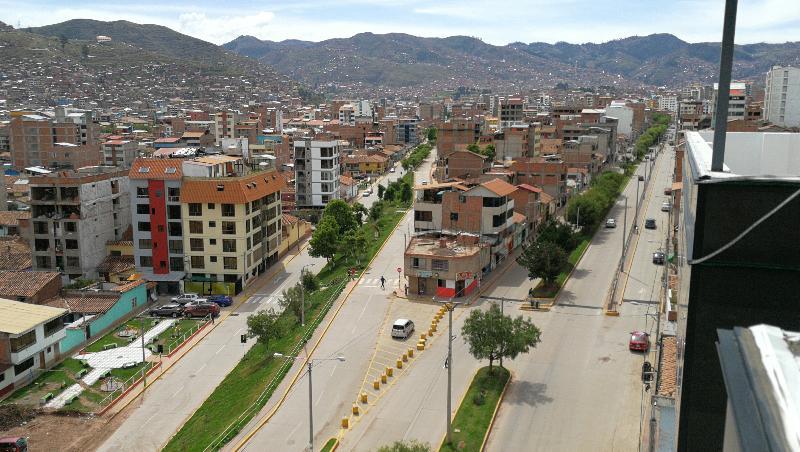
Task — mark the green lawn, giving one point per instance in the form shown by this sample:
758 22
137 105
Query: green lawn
54 380
248 384
112 338
328 447
181 327
472 419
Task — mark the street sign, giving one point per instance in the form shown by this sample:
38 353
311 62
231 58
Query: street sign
399 269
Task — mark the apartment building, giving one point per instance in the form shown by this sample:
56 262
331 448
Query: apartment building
29 341
317 171
407 131
232 227
347 115
782 96
737 102
157 223
518 140
119 153
624 114
457 131
549 174
462 164
668 103
511 112
225 125
73 214
65 140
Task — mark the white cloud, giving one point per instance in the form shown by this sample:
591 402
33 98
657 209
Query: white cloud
221 29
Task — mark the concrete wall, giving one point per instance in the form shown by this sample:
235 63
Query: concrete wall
98 224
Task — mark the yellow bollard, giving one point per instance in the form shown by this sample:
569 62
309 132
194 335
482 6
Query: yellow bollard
363 397
433 327
345 422
410 352
383 378
355 409
422 336
430 332
400 362
405 357
389 371
420 345
376 384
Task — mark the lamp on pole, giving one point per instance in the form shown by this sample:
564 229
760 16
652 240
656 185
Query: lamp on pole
624 225
310 366
303 296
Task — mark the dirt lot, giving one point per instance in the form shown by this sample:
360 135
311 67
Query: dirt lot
68 432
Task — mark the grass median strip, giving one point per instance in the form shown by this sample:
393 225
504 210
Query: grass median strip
477 409
247 388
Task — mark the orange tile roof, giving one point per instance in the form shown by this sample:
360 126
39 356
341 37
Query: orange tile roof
234 190
88 303
499 187
156 169
15 253
11 218
24 284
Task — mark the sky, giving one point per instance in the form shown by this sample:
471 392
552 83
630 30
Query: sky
497 22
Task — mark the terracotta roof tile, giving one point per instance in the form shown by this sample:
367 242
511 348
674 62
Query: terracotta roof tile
667 382
11 218
156 169
15 254
499 187
24 284
116 264
86 303
530 188
232 190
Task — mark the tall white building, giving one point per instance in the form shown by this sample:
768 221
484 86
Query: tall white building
736 104
668 103
624 115
316 165
782 96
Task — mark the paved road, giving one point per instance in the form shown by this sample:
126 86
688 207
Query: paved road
364 314
174 397
580 389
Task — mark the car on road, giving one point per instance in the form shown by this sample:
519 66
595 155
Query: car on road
201 309
424 182
665 206
640 342
186 298
222 300
611 223
659 258
167 310
366 193
391 170
650 223
402 328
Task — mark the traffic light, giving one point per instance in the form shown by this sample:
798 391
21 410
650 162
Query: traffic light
647 372
244 338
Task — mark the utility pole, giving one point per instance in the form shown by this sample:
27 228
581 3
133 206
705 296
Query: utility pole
578 219
141 333
450 308
624 226
310 408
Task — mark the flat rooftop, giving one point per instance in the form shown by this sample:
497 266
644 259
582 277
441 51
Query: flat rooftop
17 317
748 155
432 246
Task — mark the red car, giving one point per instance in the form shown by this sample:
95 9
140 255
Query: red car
201 309
640 342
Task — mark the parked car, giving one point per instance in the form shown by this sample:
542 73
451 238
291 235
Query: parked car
659 258
201 309
222 300
668 191
186 298
366 193
640 342
167 310
611 223
402 328
650 223
666 206
391 170
424 182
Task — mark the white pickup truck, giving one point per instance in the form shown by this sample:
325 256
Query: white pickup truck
187 297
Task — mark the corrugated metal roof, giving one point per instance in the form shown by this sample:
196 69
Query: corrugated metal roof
17 317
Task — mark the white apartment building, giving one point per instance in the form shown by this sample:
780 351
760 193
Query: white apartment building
347 115
782 96
668 103
736 104
317 171
624 115
225 125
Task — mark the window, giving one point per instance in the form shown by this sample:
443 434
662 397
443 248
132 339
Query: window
423 215
23 366
53 326
198 262
196 227
498 220
70 226
416 262
247 226
494 202
228 210
212 224
196 244
41 244
144 226
174 193
195 209
248 243
145 261
212 241
145 244
211 206
228 246
229 263
176 264
39 227
22 342
212 258
453 216
175 247
71 244
42 262
73 261
143 209
438 264
175 229
462 199
174 212
141 192
229 227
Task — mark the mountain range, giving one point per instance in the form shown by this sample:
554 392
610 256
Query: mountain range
401 60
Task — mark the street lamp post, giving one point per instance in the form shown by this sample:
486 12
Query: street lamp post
450 307
624 225
311 363
303 296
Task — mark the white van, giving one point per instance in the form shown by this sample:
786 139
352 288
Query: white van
402 328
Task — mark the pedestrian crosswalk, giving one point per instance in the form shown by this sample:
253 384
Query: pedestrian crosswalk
376 282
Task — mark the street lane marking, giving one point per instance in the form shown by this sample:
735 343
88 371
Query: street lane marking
173 396
150 418
201 368
220 349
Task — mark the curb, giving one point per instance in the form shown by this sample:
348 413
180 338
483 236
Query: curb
496 409
274 409
191 336
127 391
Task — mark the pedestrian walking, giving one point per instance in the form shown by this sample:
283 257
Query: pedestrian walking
383 283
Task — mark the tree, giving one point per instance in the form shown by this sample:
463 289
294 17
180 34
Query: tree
63 40
489 151
404 446
559 233
309 280
432 134
381 191
292 300
265 326
325 239
342 213
474 148
376 210
359 212
390 193
543 260
406 193
492 335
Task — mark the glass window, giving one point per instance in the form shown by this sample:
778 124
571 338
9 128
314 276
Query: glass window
23 366
438 264
145 261
228 245
144 226
211 206
143 209
228 210
198 262
196 244
71 244
229 263
175 247
145 244
174 212
175 229
176 264
229 227
195 209
196 227
22 342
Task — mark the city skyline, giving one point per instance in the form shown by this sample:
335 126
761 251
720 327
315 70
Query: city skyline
498 23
